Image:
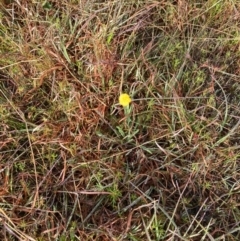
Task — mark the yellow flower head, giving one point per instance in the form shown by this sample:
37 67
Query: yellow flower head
124 100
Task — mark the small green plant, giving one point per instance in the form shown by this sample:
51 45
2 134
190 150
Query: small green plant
115 194
127 130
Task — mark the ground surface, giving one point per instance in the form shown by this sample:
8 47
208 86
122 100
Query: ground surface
75 164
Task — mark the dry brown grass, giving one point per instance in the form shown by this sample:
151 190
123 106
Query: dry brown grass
74 165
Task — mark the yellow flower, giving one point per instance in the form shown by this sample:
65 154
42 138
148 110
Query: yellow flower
124 100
